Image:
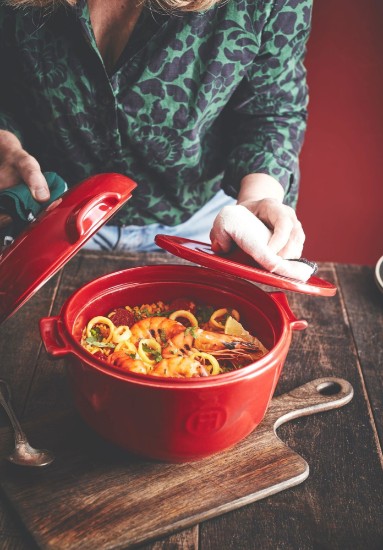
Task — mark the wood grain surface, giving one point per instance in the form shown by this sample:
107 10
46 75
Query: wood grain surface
95 496
339 506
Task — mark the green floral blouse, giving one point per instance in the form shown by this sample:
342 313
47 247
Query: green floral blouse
196 102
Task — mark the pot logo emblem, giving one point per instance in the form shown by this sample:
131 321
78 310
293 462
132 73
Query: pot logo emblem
205 421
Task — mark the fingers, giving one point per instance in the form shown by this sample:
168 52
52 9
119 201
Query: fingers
288 238
294 247
237 224
281 233
17 165
30 173
220 237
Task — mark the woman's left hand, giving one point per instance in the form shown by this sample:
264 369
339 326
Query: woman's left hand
287 235
262 195
237 224
263 227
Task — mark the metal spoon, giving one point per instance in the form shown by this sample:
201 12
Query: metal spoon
23 454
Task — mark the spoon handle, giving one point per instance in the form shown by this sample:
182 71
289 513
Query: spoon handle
5 401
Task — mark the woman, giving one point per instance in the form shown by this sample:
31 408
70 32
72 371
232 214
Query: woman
199 101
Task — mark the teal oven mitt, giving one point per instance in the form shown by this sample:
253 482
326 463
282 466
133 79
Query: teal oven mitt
18 203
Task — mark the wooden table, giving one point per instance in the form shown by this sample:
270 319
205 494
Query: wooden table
340 505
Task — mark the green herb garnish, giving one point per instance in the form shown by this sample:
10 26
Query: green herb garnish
96 333
192 331
152 352
162 335
94 342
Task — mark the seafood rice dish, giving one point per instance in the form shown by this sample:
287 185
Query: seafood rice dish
181 339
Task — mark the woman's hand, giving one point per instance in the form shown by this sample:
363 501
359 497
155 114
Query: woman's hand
264 228
17 165
236 224
287 236
262 195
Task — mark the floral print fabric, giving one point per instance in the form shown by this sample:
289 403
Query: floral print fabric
196 102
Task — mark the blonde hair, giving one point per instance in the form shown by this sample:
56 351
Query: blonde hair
163 5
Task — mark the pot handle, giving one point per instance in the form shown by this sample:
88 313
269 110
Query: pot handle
281 299
50 334
85 218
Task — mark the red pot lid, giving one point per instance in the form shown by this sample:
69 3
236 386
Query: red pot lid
56 236
240 264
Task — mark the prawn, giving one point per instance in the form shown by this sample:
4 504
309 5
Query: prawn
123 361
179 367
175 367
225 346
161 329
176 339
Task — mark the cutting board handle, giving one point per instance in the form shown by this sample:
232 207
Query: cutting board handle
322 394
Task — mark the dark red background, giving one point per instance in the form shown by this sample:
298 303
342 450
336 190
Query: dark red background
341 198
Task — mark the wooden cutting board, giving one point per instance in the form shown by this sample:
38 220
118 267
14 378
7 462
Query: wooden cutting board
96 496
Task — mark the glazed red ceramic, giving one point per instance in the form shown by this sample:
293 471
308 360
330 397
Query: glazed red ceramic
162 418
58 233
170 419
238 263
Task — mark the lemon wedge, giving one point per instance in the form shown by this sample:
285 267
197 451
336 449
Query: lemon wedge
234 328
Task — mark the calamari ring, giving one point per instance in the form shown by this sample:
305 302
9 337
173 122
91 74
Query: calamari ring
152 344
127 347
215 368
100 321
186 315
121 334
220 313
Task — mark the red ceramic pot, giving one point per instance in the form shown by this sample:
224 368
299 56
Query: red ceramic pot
175 420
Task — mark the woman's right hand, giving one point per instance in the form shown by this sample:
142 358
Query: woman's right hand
17 165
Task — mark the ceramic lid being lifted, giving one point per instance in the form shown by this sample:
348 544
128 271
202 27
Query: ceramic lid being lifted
56 236
240 264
